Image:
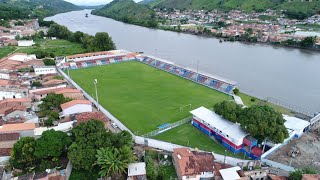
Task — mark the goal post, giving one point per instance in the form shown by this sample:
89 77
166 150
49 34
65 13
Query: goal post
185 106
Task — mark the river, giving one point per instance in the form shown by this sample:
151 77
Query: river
288 75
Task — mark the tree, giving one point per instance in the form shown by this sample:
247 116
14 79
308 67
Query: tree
308 42
113 161
22 153
123 138
259 121
36 84
103 42
52 144
228 110
297 174
88 138
52 102
49 62
236 91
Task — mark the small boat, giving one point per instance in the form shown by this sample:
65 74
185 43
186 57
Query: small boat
86 15
220 41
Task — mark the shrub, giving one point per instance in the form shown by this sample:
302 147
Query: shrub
236 91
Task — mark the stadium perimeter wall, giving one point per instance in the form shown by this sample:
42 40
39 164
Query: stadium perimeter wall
141 140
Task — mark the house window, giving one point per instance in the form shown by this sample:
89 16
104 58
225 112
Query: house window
14 96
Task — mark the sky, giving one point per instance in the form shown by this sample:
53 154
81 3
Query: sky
91 2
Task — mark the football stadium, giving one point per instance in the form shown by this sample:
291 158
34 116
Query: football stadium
144 93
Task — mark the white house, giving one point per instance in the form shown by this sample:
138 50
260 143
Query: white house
295 126
76 106
137 171
6 93
4 75
25 43
45 70
230 173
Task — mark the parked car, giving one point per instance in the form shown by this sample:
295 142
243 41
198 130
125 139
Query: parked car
114 125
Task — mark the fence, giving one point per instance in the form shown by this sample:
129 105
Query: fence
173 125
278 165
102 109
283 104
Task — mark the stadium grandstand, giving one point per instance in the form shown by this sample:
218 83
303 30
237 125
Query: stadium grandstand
229 134
108 57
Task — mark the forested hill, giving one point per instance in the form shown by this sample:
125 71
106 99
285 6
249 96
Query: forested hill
295 8
128 11
35 8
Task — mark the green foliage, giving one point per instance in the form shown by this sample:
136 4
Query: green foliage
236 91
36 84
88 138
52 102
259 121
49 62
100 42
152 172
52 144
129 12
22 153
4 51
228 110
113 161
59 77
19 9
297 174
308 42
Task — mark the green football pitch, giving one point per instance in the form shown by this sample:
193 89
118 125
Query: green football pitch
143 97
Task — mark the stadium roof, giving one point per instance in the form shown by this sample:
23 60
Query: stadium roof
233 130
104 54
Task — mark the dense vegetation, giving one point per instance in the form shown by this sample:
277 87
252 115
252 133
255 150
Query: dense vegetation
30 154
94 149
100 42
260 121
297 174
294 9
129 12
35 8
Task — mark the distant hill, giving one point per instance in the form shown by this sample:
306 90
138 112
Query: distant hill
128 11
92 7
40 8
294 8
146 1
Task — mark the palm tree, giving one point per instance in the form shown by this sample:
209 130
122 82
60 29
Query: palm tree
113 161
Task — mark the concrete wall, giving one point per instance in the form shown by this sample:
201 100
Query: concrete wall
45 70
78 108
11 94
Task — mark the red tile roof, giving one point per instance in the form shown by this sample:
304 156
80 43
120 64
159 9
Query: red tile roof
68 90
90 54
54 82
9 136
193 163
310 177
5 151
74 102
87 116
17 127
47 91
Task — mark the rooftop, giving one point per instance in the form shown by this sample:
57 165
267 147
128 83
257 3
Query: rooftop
103 54
136 169
87 116
229 128
74 102
17 127
230 173
9 136
192 162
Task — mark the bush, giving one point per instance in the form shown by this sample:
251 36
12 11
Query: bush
253 99
236 91
36 84
49 62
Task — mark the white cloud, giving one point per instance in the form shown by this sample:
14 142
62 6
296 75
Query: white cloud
91 2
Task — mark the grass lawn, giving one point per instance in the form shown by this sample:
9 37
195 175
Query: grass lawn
83 175
57 47
143 97
247 100
4 51
190 136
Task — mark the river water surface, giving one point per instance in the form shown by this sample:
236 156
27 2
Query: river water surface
288 75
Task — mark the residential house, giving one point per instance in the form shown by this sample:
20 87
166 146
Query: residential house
310 177
7 140
230 173
64 127
71 93
13 112
11 102
193 165
7 92
54 82
24 129
137 171
87 116
76 106
39 70
38 94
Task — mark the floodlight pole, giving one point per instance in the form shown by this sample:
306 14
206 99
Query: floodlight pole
225 155
95 82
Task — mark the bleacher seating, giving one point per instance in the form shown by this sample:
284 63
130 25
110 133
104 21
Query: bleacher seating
193 76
